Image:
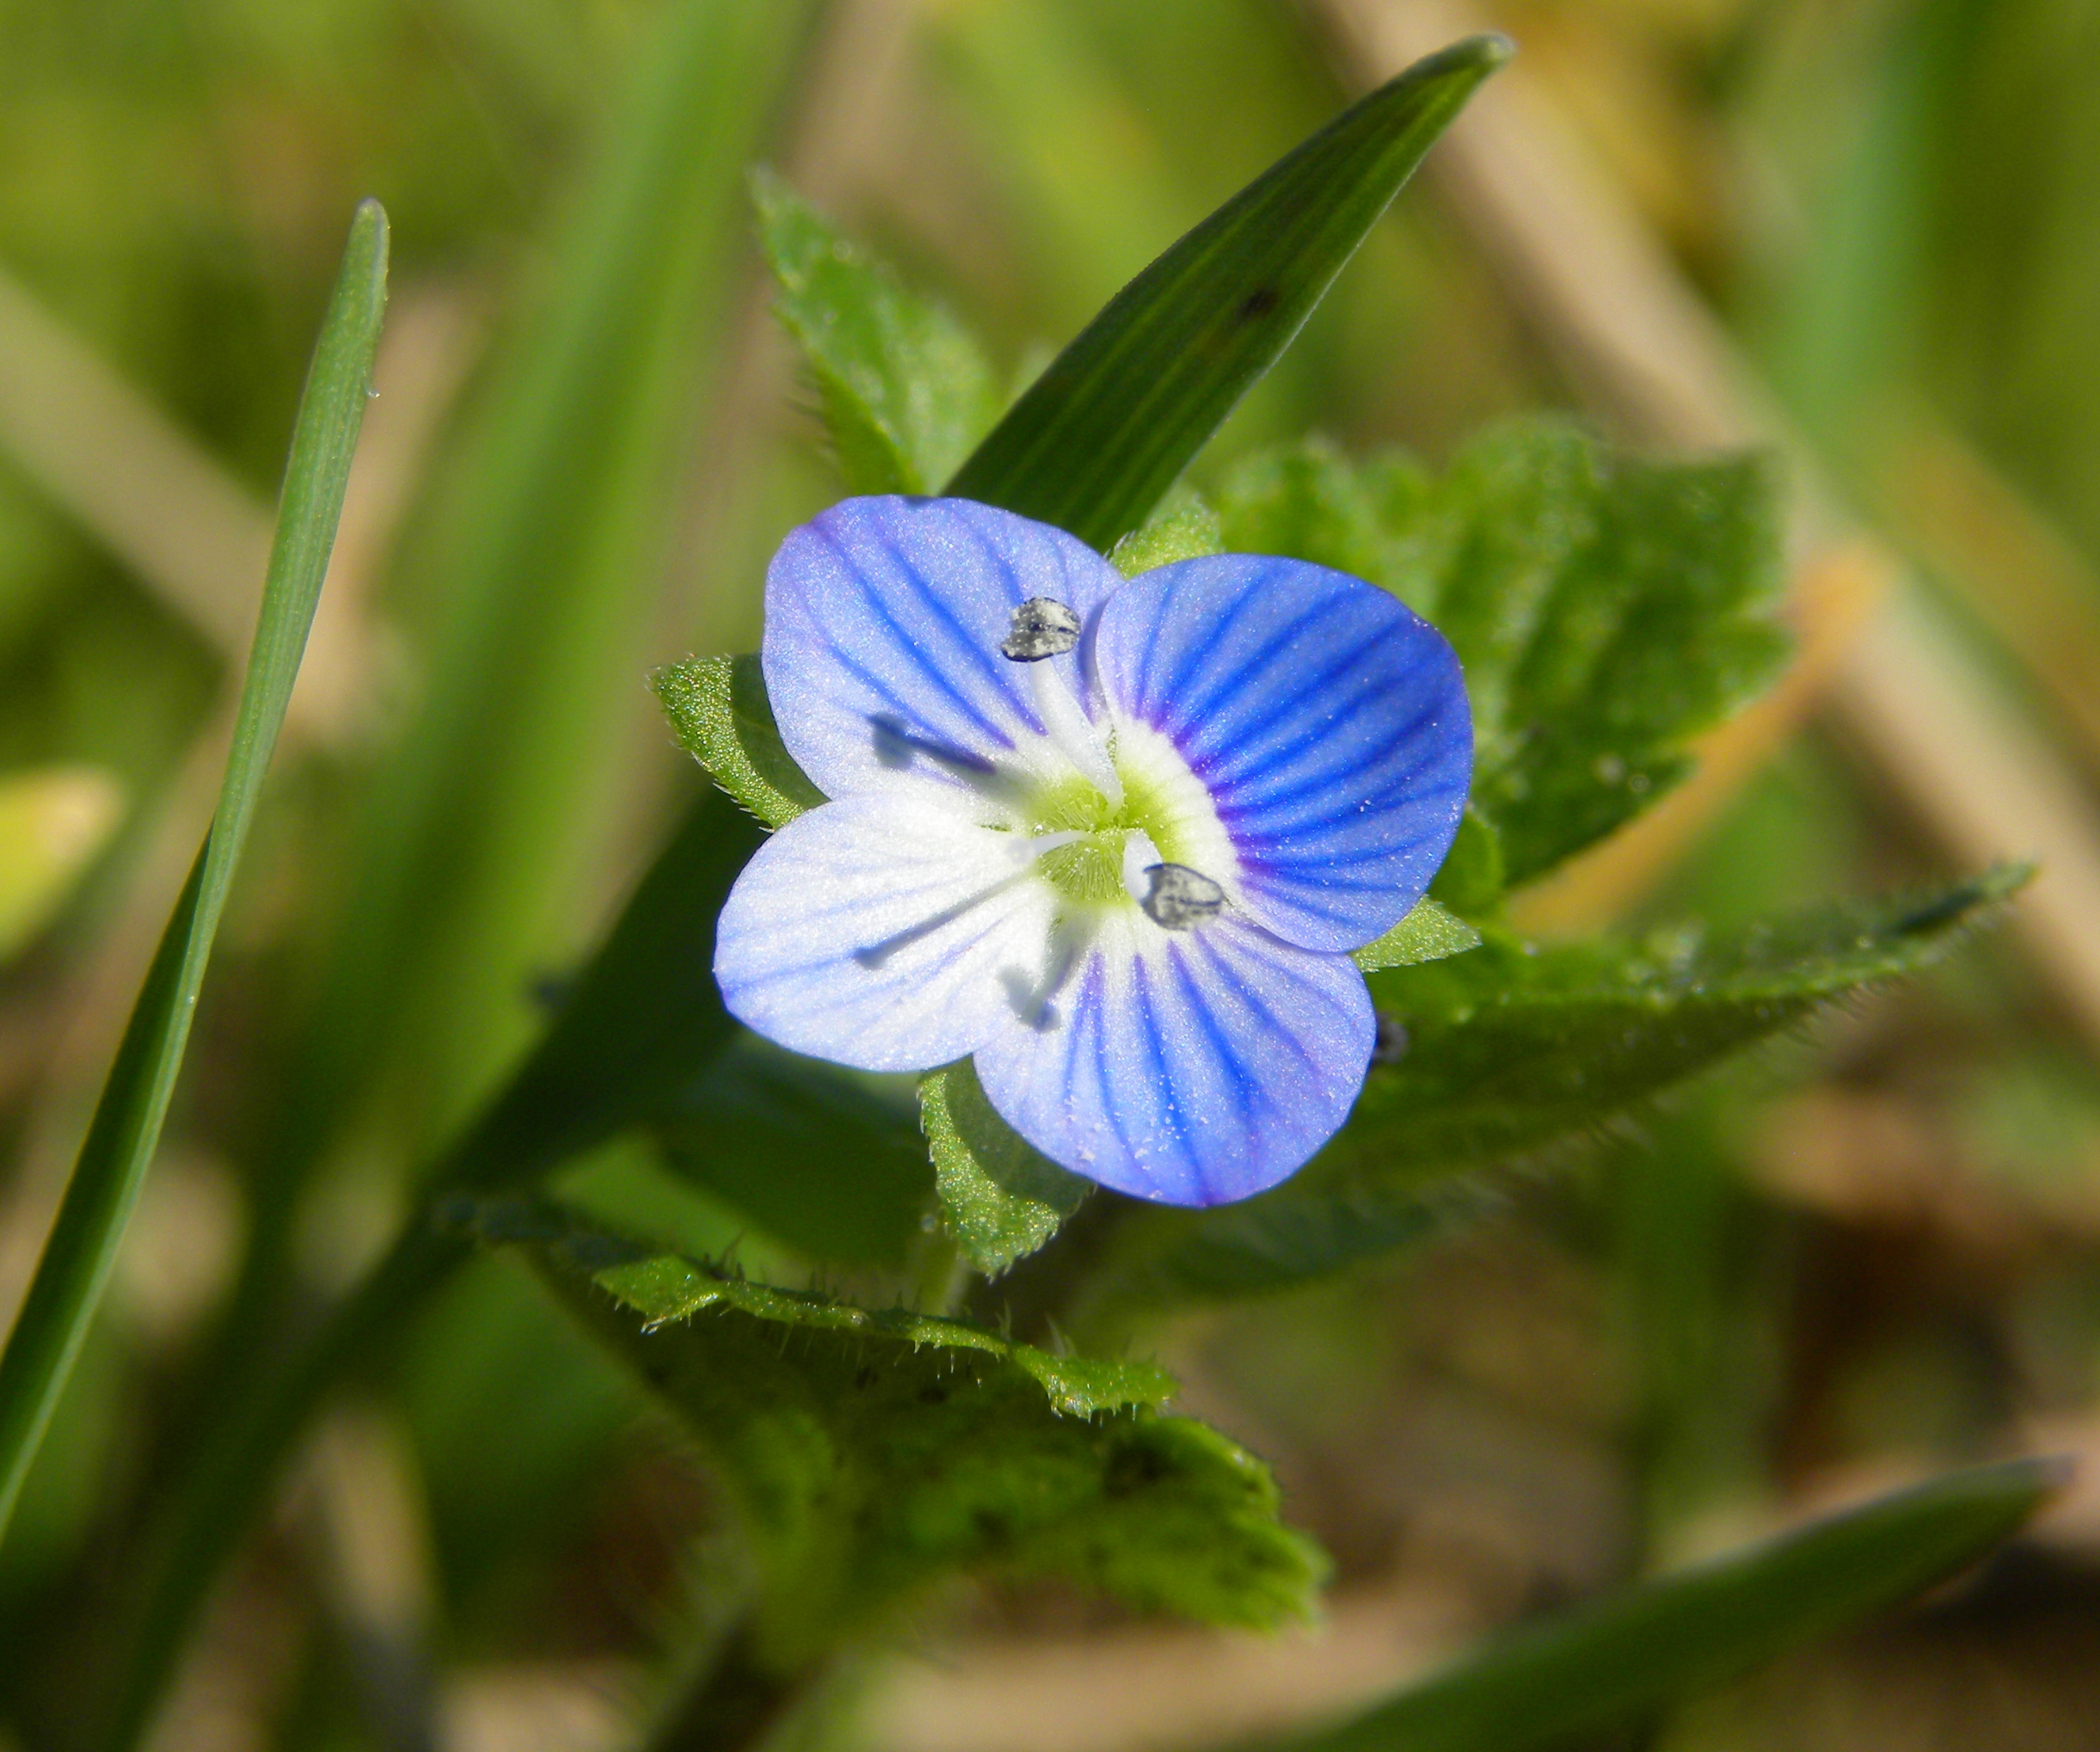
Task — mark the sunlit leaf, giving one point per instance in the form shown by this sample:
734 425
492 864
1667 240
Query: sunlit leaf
905 389
1505 1048
1186 531
871 1452
1427 934
1001 1197
1606 608
1513 1045
719 708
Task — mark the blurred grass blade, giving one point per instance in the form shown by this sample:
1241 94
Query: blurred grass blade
547 555
1623 1659
1104 432
127 1120
478 822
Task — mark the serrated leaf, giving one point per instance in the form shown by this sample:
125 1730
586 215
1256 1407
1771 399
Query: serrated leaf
1621 1660
828 1160
873 1452
718 707
905 388
1429 933
1513 1045
77 1257
1102 433
1606 608
1001 1197
1187 530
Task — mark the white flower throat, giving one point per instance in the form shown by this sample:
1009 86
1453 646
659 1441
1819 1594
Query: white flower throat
1121 824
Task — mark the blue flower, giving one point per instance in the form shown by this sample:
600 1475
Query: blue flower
1113 839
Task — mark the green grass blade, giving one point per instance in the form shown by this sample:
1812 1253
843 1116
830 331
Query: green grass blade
1669 1640
1104 432
127 1126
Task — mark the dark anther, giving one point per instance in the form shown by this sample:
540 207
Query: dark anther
1179 896
1043 627
1388 1045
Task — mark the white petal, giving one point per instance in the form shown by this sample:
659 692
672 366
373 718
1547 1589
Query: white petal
889 932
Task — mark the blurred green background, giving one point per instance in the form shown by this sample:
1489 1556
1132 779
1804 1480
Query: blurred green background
1871 1252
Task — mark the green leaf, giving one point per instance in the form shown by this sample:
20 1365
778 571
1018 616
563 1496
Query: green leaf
1187 530
127 1126
1002 1198
1513 1045
1429 933
1102 433
874 1451
905 388
719 708
1625 1660
1606 608
828 1160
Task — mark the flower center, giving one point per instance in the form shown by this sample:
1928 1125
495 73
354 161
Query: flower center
1128 821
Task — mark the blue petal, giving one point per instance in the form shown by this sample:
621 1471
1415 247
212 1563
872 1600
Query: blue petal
1329 722
891 934
1190 1067
883 621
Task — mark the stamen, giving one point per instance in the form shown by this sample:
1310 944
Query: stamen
1043 627
1076 738
1050 842
1069 938
1180 897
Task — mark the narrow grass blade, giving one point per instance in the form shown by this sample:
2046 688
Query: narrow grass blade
126 1128
1619 1661
1104 432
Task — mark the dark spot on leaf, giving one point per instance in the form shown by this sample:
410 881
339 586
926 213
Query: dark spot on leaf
1258 303
933 1395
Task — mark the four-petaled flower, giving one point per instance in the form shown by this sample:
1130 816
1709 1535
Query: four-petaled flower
1113 839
